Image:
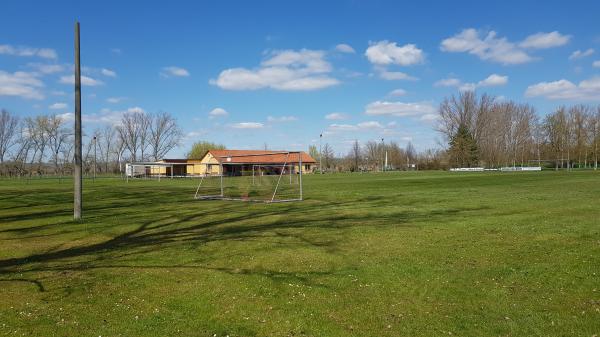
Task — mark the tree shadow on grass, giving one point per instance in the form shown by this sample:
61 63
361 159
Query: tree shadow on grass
215 221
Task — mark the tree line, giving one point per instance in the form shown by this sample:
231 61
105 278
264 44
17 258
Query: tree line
44 144
371 156
487 132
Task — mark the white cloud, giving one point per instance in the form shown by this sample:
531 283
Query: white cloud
363 126
336 116
566 90
397 93
85 80
578 54
47 68
395 75
58 106
387 53
20 84
399 109
448 82
116 51
282 119
493 80
218 112
174 72
108 72
46 53
596 64
105 116
490 81
430 117
287 70
115 99
344 48
545 40
247 125
66 117
489 48
369 125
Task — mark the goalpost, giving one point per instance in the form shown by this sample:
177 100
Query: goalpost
266 177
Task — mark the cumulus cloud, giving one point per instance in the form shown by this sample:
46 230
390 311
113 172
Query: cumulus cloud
85 80
399 109
397 93
578 54
490 81
282 119
596 64
247 125
566 90
368 125
545 40
174 72
46 53
489 47
47 68
336 116
387 53
344 48
104 116
108 72
115 99
430 117
395 75
20 84
287 70
448 82
218 112
58 106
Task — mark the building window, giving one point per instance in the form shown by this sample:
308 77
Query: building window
306 167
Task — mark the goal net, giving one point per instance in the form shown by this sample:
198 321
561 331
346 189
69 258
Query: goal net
263 177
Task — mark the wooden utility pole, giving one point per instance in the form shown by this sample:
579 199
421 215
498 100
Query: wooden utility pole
77 182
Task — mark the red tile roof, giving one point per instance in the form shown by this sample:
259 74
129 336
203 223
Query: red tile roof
260 157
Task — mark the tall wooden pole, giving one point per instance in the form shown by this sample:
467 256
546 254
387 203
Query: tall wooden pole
77 183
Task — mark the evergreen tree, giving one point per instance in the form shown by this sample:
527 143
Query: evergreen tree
463 148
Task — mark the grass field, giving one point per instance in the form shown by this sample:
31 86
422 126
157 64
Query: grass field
395 254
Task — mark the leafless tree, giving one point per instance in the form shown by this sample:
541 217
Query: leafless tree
130 131
8 129
328 156
106 144
165 134
57 135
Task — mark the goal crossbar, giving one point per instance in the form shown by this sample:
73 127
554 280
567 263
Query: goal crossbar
266 183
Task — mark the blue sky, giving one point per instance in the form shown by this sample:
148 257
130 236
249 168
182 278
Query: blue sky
281 73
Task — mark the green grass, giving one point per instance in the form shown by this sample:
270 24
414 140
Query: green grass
395 254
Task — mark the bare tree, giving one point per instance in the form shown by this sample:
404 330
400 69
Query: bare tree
355 156
164 134
57 136
328 156
411 155
107 137
8 128
130 131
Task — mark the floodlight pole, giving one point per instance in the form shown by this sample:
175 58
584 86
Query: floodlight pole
300 163
382 152
320 155
77 181
95 141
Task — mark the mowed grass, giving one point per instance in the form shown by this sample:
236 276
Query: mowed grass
394 254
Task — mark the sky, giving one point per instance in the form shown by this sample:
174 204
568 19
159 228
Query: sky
281 73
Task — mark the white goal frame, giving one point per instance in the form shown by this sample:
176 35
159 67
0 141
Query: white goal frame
285 168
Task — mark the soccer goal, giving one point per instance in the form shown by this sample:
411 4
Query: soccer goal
260 177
